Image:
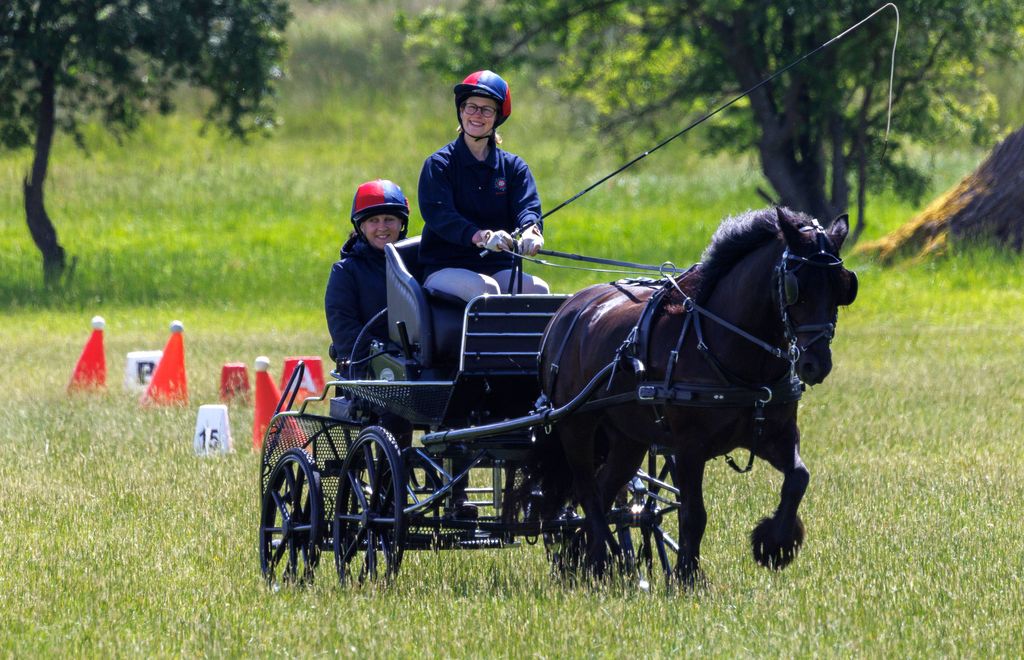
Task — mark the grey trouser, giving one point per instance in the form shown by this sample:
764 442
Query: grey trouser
466 284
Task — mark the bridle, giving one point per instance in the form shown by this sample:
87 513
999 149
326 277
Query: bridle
787 293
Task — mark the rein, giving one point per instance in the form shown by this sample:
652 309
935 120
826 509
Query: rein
666 267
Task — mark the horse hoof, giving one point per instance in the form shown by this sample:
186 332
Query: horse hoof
692 580
772 552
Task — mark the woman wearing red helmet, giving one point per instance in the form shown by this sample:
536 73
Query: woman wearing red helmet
474 195
355 289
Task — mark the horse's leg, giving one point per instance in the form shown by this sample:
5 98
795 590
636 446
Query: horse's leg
693 517
578 441
624 457
776 540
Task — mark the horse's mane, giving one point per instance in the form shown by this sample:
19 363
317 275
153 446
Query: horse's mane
735 238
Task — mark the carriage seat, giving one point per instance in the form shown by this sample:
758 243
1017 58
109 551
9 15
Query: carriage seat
434 325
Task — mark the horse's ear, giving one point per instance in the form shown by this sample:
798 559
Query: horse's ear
838 230
789 230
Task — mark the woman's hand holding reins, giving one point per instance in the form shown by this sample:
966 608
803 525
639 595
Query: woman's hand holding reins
531 241
495 241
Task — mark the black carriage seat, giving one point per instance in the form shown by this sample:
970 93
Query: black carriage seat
434 325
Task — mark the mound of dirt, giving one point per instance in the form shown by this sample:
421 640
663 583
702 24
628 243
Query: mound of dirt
987 206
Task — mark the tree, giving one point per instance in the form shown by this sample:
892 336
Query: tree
984 207
63 62
817 129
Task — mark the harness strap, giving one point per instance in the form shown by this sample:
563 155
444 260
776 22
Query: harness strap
553 369
716 365
788 390
774 350
515 275
673 356
758 434
635 345
644 323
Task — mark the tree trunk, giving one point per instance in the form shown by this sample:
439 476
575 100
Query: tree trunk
985 207
792 159
799 184
840 193
39 224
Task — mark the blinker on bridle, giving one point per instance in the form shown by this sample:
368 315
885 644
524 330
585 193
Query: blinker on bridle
788 290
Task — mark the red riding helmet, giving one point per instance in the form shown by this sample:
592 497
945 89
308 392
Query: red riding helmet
487 84
380 196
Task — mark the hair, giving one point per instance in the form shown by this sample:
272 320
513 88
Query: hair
734 239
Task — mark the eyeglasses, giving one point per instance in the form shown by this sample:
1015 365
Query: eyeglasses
389 220
485 111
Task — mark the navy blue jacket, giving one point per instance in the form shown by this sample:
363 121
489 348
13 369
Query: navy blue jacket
355 293
459 195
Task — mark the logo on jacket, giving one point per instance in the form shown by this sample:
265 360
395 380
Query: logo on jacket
500 185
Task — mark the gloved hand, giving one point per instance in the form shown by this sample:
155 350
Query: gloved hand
495 241
531 241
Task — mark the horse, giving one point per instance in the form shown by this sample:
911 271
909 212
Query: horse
702 364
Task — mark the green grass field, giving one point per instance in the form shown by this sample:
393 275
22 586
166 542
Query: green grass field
120 541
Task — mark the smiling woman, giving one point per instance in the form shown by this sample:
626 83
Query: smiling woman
355 289
474 195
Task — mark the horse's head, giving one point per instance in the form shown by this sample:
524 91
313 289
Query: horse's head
810 284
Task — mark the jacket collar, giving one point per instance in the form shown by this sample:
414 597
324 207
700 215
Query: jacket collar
464 153
356 246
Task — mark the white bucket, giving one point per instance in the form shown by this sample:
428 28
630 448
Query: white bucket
213 431
138 370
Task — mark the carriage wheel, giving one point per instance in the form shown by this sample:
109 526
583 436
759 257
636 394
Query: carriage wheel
291 520
369 525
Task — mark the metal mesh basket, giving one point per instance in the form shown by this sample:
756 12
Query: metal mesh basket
324 439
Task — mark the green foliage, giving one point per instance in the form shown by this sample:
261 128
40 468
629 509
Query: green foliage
639 63
115 60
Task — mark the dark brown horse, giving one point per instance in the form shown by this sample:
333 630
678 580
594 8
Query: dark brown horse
705 363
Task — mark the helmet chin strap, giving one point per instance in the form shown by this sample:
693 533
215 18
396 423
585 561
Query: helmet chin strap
475 137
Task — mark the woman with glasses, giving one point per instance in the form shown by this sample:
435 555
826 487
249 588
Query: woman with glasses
474 196
355 289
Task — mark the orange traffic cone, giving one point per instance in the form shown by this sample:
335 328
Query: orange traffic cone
267 396
91 369
234 381
170 384
312 379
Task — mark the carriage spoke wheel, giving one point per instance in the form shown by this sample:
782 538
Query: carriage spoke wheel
291 520
369 525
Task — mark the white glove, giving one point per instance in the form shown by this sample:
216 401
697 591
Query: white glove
531 241
495 241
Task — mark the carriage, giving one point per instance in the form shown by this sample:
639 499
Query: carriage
465 377
653 375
